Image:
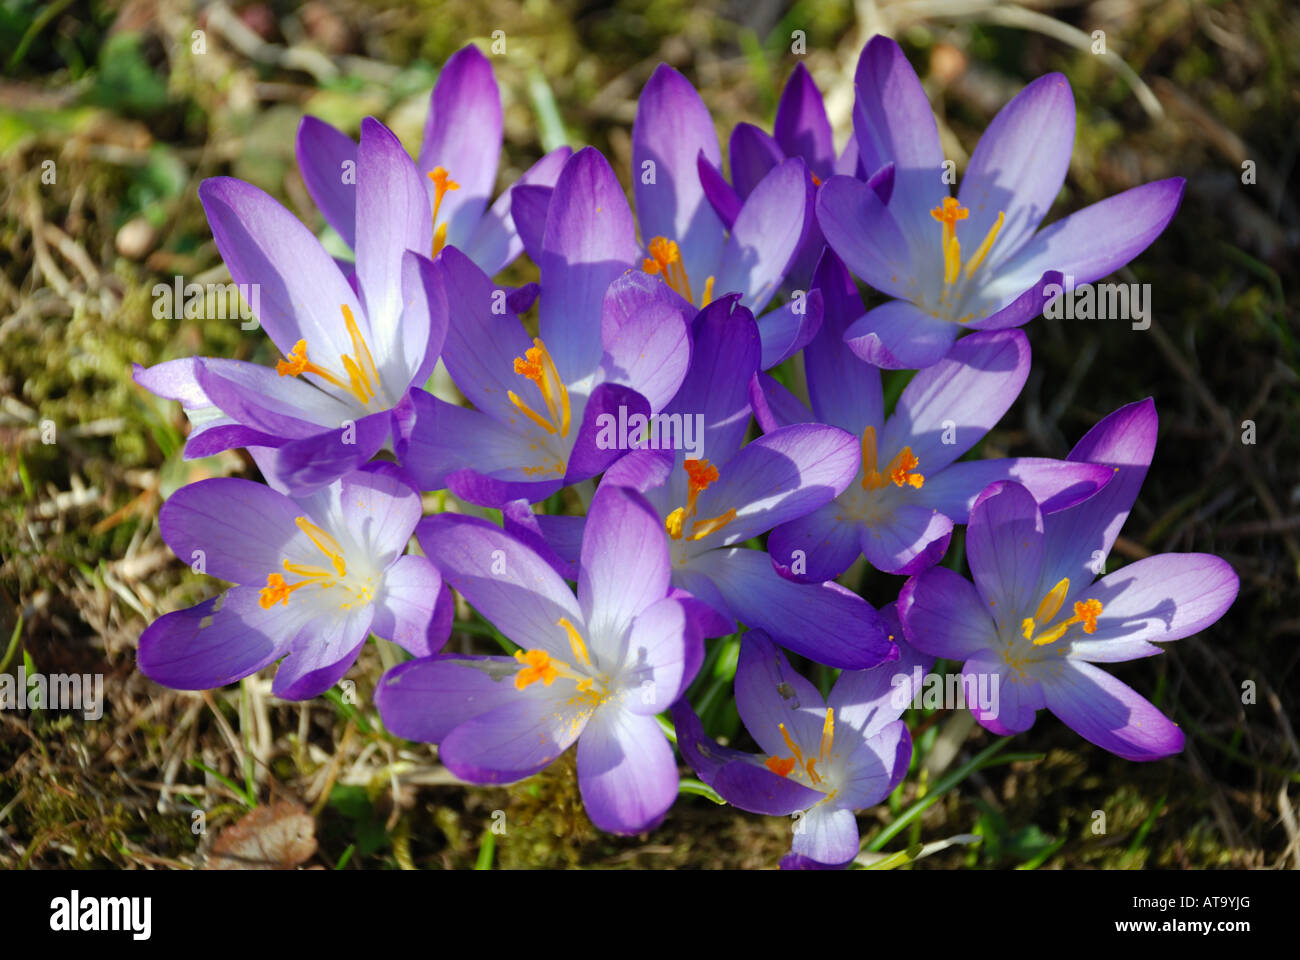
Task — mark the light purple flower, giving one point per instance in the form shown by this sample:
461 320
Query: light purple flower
901 508
703 255
608 339
314 576
713 502
594 669
1036 621
462 138
351 351
977 261
823 758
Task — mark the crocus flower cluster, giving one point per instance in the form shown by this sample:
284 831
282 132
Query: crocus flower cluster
695 444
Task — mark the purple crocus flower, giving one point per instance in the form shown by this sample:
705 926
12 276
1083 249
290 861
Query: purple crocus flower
595 669
801 129
977 261
457 165
685 243
900 509
822 758
351 353
314 576
608 339
725 493
1034 618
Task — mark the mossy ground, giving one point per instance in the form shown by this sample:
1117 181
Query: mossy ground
132 118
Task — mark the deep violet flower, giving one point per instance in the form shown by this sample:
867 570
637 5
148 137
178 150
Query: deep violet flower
1034 618
594 669
608 338
314 575
822 758
350 354
901 508
457 164
977 261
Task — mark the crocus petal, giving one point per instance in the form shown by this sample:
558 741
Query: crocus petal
556 539
947 408
826 834
1099 239
721 195
1108 712
423 325
778 477
774 406
766 235
756 789
413 608
1055 484
726 354
1019 165
664 651
302 290
323 153
462 134
217 642
823 622
893 122
501 578
310 463
483 342
1011 701
624 566
876 767
870 700
916 537
844 390
496 241
943 615
380 509
787 329
1079 540
1160 598
391 219
899 335
474 487
322 653
671 130
258 397
647 342
816 547
864 234
589 240
1015 308
1004 545
229 528
704 755
770 695
426 699
514 740
801 126
753 155
528 206
626 772
590 454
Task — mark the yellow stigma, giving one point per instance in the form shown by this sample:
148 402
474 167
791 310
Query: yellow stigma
362 376
540 665
948 213
700 476
784 766
900 470
536 365
442 183
665 260
1086 612
278 590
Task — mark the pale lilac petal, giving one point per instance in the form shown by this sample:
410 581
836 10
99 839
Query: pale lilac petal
664 652
217 642
1011 700
771 694
322 653
1055 484
1108 712
864 234
844 390
816 547
506 582
556 539
514 740
229 528
426 699
914 538
590 455
774 406
826 834
624 567
1004 546
380 509
756 789
497 241
899 335
870 700
626 772
645 337
413 608
766 235
787 329
309 463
